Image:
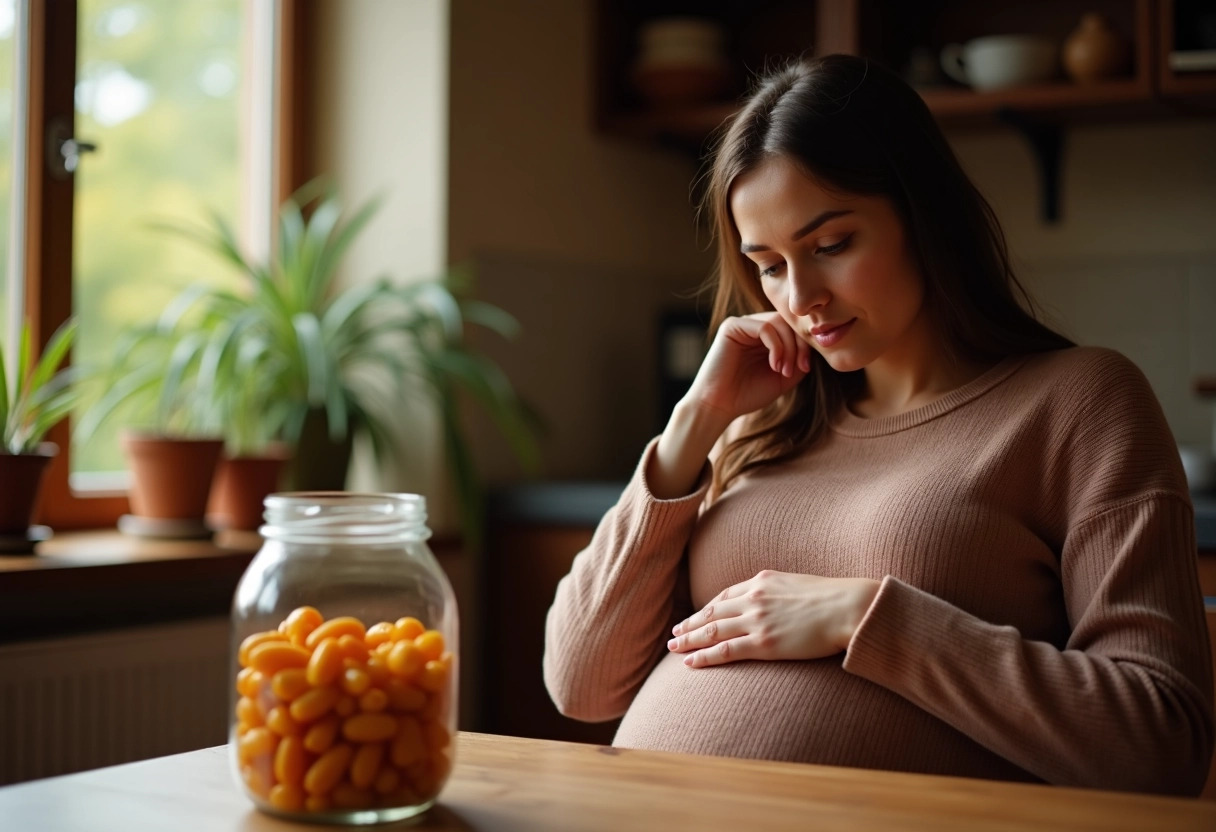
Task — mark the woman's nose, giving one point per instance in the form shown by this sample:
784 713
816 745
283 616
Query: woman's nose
806 291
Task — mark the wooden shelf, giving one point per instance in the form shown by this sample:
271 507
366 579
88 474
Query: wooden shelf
1061 102
1058 99
1152 91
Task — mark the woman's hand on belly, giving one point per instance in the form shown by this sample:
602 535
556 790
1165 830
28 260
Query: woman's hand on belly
774 616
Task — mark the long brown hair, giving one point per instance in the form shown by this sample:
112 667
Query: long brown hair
857 128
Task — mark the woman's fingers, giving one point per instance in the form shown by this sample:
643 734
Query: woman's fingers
719 608
780 340
734 650
709 634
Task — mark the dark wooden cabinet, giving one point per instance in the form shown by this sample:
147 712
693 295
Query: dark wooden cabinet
1207 584
524 562
887 31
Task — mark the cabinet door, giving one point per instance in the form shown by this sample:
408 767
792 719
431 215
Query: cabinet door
1207 583
524 566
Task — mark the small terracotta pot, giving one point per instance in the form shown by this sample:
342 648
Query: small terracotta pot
171 477
241 485
20 484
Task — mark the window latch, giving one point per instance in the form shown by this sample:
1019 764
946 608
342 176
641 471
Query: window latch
63 150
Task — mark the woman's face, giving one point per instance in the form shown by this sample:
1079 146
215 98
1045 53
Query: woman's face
835 267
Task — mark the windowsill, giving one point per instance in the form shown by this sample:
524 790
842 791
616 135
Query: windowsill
88 581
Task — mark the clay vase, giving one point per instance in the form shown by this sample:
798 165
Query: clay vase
241 486
171 478
20 483
1094 51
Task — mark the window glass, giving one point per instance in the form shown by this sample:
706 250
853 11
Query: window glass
8 14
159 90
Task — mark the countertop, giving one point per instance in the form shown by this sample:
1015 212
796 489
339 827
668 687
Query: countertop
583 503
508 784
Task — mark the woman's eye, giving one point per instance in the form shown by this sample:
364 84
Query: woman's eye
835 248
770 271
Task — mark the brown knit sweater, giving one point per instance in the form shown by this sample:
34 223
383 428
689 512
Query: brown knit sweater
1039 616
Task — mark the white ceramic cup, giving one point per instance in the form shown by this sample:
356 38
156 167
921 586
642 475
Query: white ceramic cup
999 61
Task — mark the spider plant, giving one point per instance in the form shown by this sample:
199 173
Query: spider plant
290 345
154 368
38 397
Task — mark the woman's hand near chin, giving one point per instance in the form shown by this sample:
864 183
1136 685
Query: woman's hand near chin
753 360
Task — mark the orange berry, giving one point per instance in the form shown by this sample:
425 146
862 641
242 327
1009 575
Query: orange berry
378 634
272 656
346 706
336 628
242 653
321 736
430 644
325 773
355 681
352 648
287 798
290 684
302 621
407 629
373 701
434 677
314 704
406 659
325 664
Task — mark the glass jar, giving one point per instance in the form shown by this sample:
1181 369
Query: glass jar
344 671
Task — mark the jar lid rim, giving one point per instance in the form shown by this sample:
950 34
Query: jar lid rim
283 499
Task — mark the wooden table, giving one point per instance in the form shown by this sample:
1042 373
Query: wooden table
507 784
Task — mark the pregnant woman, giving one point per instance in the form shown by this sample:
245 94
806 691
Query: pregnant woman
896 522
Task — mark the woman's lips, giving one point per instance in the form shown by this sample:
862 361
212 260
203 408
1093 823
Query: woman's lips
829 337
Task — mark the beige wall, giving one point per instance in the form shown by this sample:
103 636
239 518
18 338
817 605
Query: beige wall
584 237
381 130
1132 264
581 236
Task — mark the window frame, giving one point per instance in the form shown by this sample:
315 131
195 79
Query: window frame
48 204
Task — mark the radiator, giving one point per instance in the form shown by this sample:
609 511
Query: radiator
70 704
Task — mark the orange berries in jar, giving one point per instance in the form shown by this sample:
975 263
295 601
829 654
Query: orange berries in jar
343 688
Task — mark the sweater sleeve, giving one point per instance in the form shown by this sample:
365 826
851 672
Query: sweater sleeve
608 622
1126 703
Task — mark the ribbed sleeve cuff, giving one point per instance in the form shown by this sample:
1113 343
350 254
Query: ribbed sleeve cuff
889 645
694 498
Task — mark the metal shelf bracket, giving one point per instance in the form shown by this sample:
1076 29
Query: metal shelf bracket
1046 142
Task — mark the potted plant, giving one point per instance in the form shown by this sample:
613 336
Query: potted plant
35 400
293 356
174 442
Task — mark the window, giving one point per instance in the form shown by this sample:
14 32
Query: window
191 105
8 31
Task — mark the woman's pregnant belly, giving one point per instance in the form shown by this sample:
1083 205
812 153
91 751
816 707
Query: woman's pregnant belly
804 711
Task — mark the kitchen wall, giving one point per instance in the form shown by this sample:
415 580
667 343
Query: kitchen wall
570 225
380 73
584 237
1132 264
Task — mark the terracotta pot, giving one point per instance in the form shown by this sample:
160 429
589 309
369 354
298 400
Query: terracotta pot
171 477
241 485
1094 51
20 483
